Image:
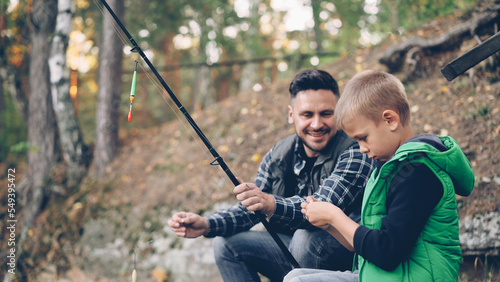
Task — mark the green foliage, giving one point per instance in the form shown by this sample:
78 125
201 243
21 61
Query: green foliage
20 148
14 137
413 13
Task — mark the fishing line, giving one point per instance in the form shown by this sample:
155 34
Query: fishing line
160 90
110 19
218 160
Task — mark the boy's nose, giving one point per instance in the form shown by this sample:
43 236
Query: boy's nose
363 149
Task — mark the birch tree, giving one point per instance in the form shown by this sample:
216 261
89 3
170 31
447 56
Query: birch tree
73 147
249 71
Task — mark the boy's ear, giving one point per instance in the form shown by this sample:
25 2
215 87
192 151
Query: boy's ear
391 119
290 114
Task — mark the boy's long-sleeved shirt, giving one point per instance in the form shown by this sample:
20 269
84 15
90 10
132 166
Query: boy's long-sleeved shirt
343 187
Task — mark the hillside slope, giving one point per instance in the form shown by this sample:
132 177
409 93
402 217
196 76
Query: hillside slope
160 170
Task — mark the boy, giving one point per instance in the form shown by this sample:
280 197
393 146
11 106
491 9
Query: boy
409 221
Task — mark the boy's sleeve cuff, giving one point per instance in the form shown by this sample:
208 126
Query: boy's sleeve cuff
359 237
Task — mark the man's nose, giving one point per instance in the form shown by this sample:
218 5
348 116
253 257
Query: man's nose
316 122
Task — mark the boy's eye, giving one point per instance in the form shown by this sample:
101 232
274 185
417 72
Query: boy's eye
362 138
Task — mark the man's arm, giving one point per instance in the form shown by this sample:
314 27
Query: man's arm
238 218
346 184
230 221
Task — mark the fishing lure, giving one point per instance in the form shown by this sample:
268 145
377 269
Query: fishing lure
132 92
217 158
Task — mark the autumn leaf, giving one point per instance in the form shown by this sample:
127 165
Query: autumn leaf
159 275
256 158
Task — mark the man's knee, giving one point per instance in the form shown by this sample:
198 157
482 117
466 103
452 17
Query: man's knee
302 247
318 249
302 241
220 248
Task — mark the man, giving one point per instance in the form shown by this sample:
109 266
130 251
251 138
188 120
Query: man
318 161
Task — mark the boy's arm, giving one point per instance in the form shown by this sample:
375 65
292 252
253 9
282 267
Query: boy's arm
331 218
346 238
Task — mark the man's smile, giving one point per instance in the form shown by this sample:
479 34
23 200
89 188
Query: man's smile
317 133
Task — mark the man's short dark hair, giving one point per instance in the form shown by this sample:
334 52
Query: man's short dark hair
313 79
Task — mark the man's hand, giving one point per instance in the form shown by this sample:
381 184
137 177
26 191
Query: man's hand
254 199
188 224
319 214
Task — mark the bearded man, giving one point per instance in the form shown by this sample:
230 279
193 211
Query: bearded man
319 161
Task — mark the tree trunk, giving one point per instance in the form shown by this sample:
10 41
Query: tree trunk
42 131
394 57
3 62
249 70
108 104
318 33
73 147
201 91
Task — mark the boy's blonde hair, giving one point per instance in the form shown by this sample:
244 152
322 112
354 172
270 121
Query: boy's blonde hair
369 93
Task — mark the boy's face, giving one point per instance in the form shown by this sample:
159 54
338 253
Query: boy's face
312 113
376 139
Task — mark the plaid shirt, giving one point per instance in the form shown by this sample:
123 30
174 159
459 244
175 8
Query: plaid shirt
343 188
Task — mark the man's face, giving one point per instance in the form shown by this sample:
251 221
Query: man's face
312 113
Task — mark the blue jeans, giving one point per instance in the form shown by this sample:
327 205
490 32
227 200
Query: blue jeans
242 256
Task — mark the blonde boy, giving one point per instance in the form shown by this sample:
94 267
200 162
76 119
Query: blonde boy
409 222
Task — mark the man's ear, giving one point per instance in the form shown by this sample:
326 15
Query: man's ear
290 114
391 119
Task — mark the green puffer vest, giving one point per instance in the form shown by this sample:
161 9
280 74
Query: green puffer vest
436 255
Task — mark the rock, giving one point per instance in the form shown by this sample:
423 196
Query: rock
480 233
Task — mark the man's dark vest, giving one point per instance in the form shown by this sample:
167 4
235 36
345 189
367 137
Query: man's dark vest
284 159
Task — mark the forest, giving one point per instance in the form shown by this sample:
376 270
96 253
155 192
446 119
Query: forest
86 192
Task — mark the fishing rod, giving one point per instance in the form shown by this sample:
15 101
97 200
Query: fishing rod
217 158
